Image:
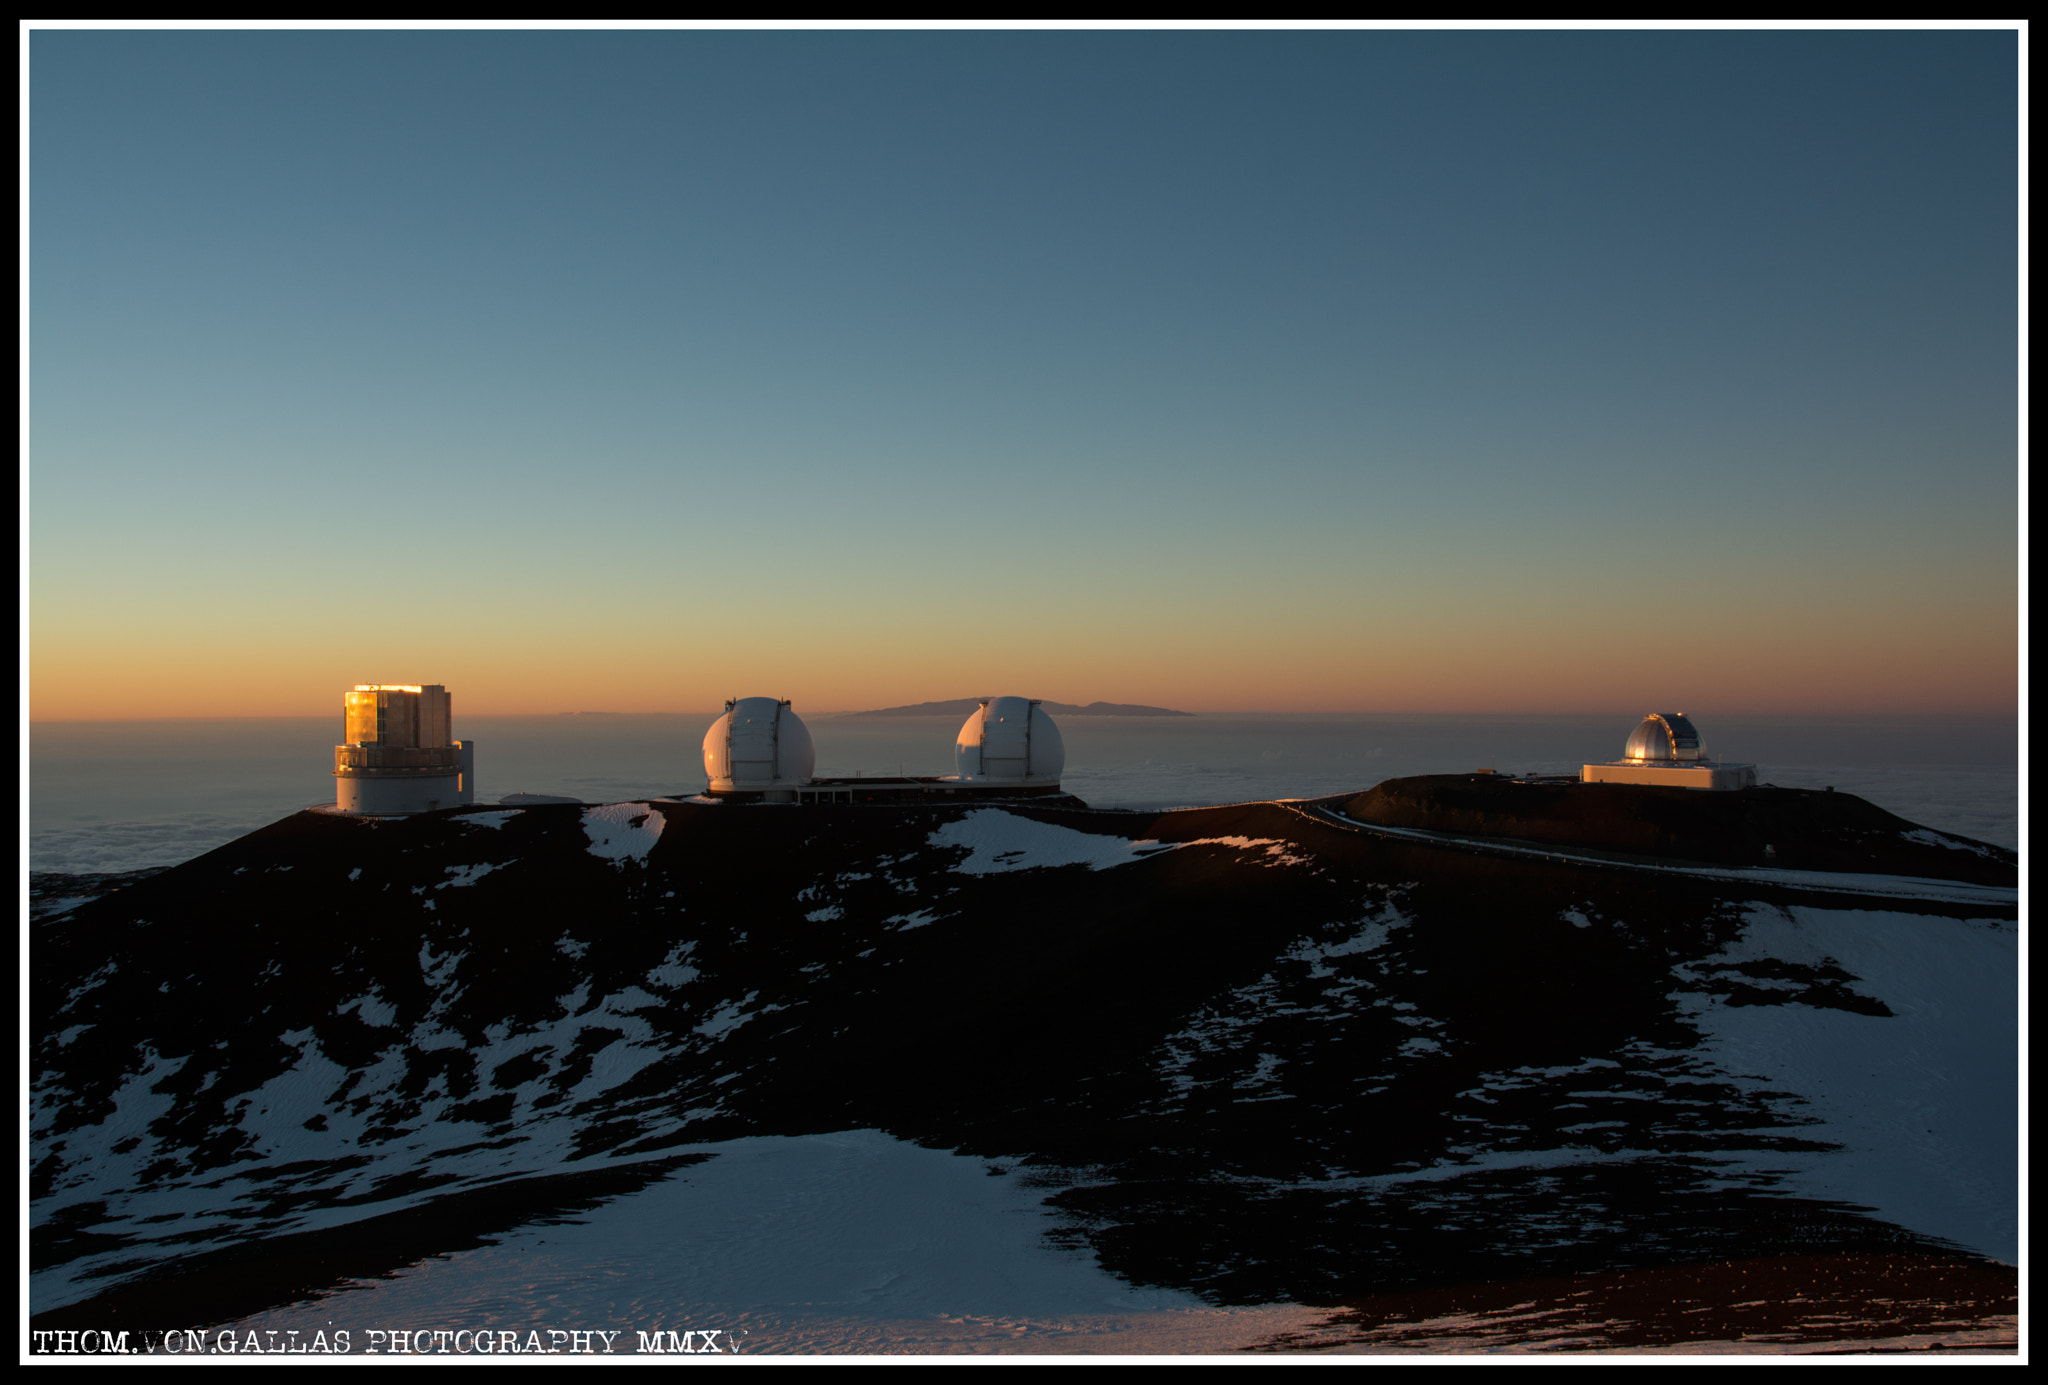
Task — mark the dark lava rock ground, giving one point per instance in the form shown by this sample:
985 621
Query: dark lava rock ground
1807 829
1248 1054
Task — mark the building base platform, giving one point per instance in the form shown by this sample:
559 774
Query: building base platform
1683 775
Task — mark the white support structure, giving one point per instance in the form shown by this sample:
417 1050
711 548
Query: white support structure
394 796
1688 776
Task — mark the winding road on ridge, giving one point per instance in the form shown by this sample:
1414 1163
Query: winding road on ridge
1826 882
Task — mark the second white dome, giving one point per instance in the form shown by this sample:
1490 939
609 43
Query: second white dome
758 744
1010 740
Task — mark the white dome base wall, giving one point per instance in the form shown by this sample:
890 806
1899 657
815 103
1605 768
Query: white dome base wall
391 795
1677 776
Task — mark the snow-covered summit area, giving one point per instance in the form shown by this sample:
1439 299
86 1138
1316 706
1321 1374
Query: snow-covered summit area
997 840
1236 1056
623 832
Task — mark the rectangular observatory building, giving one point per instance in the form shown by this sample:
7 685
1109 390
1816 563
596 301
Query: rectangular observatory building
398 754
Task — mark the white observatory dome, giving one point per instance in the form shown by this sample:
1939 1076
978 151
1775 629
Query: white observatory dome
1010 740
1663 736
758 744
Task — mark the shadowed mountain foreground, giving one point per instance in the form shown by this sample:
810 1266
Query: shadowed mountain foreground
1244 1054
1805 1304
1800 829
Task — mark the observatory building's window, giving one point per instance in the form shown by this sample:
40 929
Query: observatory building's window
363 716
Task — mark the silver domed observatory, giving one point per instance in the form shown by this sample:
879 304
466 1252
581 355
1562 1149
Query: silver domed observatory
760 751
1667 749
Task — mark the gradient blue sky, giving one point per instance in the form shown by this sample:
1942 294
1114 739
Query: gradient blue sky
1469 371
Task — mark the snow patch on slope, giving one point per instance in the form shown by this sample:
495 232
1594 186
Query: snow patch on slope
1276 851
465 875
851 1242
372 1009
1924 1102
1216 1034
320 1144
1928 837
733 1014
622 832
999 841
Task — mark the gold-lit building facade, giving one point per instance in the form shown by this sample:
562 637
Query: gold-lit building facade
398 753
390 714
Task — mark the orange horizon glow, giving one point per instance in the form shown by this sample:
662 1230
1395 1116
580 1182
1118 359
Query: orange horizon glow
1249 645
1373 431
1459 691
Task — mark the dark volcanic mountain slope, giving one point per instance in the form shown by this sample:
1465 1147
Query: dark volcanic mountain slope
1249 1053
1805 828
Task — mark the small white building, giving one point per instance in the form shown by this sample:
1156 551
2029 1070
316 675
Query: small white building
397 754
1666 749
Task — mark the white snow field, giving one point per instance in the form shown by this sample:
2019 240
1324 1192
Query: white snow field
622 832
999 841
1924 1104
848 1243
857 1243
